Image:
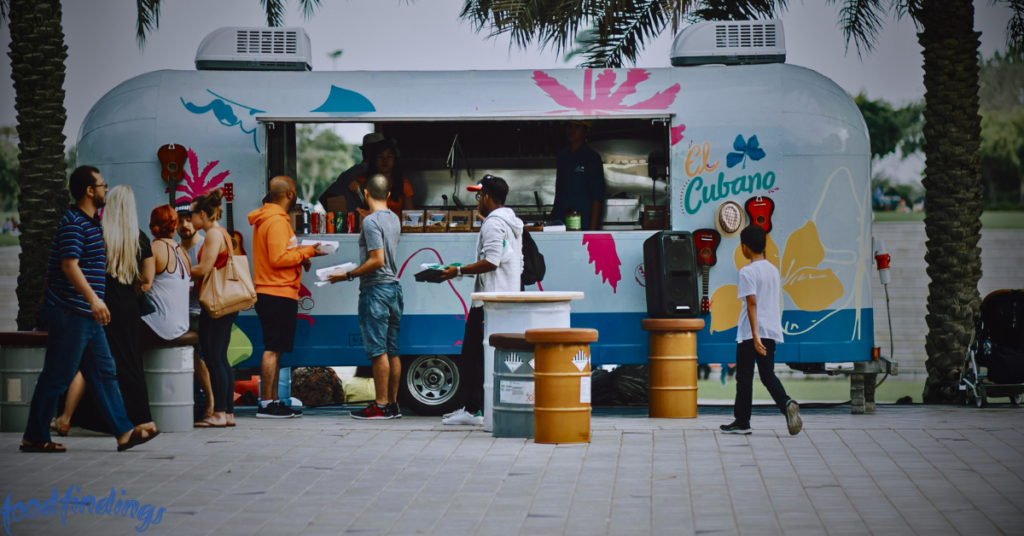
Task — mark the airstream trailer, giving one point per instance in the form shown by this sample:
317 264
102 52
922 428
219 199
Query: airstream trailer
706 143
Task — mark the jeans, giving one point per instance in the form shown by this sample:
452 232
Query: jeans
214 337
74 343
746 356
380 318
471 366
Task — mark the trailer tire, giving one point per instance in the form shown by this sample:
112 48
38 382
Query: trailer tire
431 385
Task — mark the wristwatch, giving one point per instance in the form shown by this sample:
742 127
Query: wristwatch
458 271
348 276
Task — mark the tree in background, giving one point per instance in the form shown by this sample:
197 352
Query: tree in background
8 168
1002 129
890 128
321 156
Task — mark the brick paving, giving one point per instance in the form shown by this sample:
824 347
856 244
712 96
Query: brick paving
903 470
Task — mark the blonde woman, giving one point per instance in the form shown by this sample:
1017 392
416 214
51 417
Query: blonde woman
130 272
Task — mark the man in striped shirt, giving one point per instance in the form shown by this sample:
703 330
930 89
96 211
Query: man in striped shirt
74 314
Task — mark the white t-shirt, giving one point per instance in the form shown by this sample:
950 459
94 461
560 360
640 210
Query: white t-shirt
760 279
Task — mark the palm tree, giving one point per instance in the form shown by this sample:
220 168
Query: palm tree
617 29
37 55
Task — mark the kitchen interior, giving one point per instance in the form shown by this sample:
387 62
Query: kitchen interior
441 158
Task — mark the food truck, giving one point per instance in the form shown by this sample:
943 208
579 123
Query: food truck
728 135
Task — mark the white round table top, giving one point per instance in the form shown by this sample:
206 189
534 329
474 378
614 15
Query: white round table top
526 297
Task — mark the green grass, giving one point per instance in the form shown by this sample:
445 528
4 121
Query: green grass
834 390
989 220
8 240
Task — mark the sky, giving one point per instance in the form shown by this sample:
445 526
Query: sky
428 35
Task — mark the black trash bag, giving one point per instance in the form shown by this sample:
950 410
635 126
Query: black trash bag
626 385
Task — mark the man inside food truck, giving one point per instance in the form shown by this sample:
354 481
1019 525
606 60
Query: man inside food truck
384 160
340 188
579 181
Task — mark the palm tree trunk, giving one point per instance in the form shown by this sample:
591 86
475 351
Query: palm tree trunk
952 132
37 68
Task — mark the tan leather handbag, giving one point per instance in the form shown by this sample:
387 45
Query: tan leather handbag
228 289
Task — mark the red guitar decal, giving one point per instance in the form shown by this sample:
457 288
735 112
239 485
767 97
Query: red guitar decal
707 241
236 237
760 210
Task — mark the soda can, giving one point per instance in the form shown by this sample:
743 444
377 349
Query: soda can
330 223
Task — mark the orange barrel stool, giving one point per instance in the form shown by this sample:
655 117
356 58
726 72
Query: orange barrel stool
673 366
561 411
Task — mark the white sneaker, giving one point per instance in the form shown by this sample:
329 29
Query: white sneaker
463 417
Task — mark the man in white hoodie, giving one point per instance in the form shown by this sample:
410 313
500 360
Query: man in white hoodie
498 268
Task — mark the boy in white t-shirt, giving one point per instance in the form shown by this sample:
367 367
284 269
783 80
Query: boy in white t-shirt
759 330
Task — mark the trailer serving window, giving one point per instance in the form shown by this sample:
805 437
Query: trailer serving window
441 157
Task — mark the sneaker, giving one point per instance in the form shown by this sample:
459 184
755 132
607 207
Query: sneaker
463 417
396 412
733 428
373 412
295 411
793 420
274 410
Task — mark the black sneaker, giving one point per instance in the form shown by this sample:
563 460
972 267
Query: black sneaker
396 411
295 411
373 412
793 421
274 410
733 428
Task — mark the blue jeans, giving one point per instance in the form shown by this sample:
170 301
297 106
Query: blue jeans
380 316
74 343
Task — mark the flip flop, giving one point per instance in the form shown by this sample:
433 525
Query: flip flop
136 439
61 430
45 448
204 424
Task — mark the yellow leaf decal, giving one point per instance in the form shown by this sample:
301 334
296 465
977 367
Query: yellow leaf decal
725 308
771 251
239 346
812 289
803 250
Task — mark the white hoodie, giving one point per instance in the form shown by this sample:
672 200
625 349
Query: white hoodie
500 243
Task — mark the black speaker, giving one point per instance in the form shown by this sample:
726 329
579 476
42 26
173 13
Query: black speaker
670 270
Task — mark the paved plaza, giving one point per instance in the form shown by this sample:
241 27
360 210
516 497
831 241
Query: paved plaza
904 470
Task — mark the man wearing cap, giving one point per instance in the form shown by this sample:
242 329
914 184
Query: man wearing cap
579 182
340 186
499 265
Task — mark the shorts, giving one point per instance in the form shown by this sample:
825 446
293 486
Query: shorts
380 317
278 317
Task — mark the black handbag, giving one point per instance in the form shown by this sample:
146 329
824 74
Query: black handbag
146 305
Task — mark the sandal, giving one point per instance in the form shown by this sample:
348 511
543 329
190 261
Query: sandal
47 448
207 424
61 430
136 439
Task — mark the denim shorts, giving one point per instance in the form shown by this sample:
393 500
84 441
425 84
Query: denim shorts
380 317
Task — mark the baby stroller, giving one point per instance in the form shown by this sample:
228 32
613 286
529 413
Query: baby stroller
995 366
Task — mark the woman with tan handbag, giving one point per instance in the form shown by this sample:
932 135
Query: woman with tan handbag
217 265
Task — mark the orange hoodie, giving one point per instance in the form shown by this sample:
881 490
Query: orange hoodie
277 259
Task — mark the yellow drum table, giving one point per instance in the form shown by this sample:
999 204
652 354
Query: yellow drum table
673 366
561 412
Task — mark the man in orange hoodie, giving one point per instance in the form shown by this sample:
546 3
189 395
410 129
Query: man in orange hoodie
278 262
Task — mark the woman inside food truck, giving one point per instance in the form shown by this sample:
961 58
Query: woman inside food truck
384 160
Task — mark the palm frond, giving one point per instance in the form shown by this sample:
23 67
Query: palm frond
148 20
861 20
1015 27
623 30
275 12
5 8
309 8
521 19
737 10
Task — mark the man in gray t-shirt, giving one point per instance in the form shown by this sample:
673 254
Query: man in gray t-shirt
380 299
381 230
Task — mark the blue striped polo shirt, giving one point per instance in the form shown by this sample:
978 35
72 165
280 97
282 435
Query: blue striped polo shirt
78 237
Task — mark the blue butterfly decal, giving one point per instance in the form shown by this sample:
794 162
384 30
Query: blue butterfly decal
750 148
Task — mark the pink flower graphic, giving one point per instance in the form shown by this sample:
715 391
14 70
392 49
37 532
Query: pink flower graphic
602 96
601 248
197 182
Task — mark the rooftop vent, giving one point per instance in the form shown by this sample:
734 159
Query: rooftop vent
255 49
730 42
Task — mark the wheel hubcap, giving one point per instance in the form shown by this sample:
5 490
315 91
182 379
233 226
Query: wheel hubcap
432 379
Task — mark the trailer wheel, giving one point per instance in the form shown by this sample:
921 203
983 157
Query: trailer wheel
431 385
1016 399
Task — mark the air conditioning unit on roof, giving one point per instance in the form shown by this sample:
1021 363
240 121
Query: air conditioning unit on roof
730 42
255 49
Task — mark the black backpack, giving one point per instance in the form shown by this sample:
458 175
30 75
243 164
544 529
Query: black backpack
533 262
